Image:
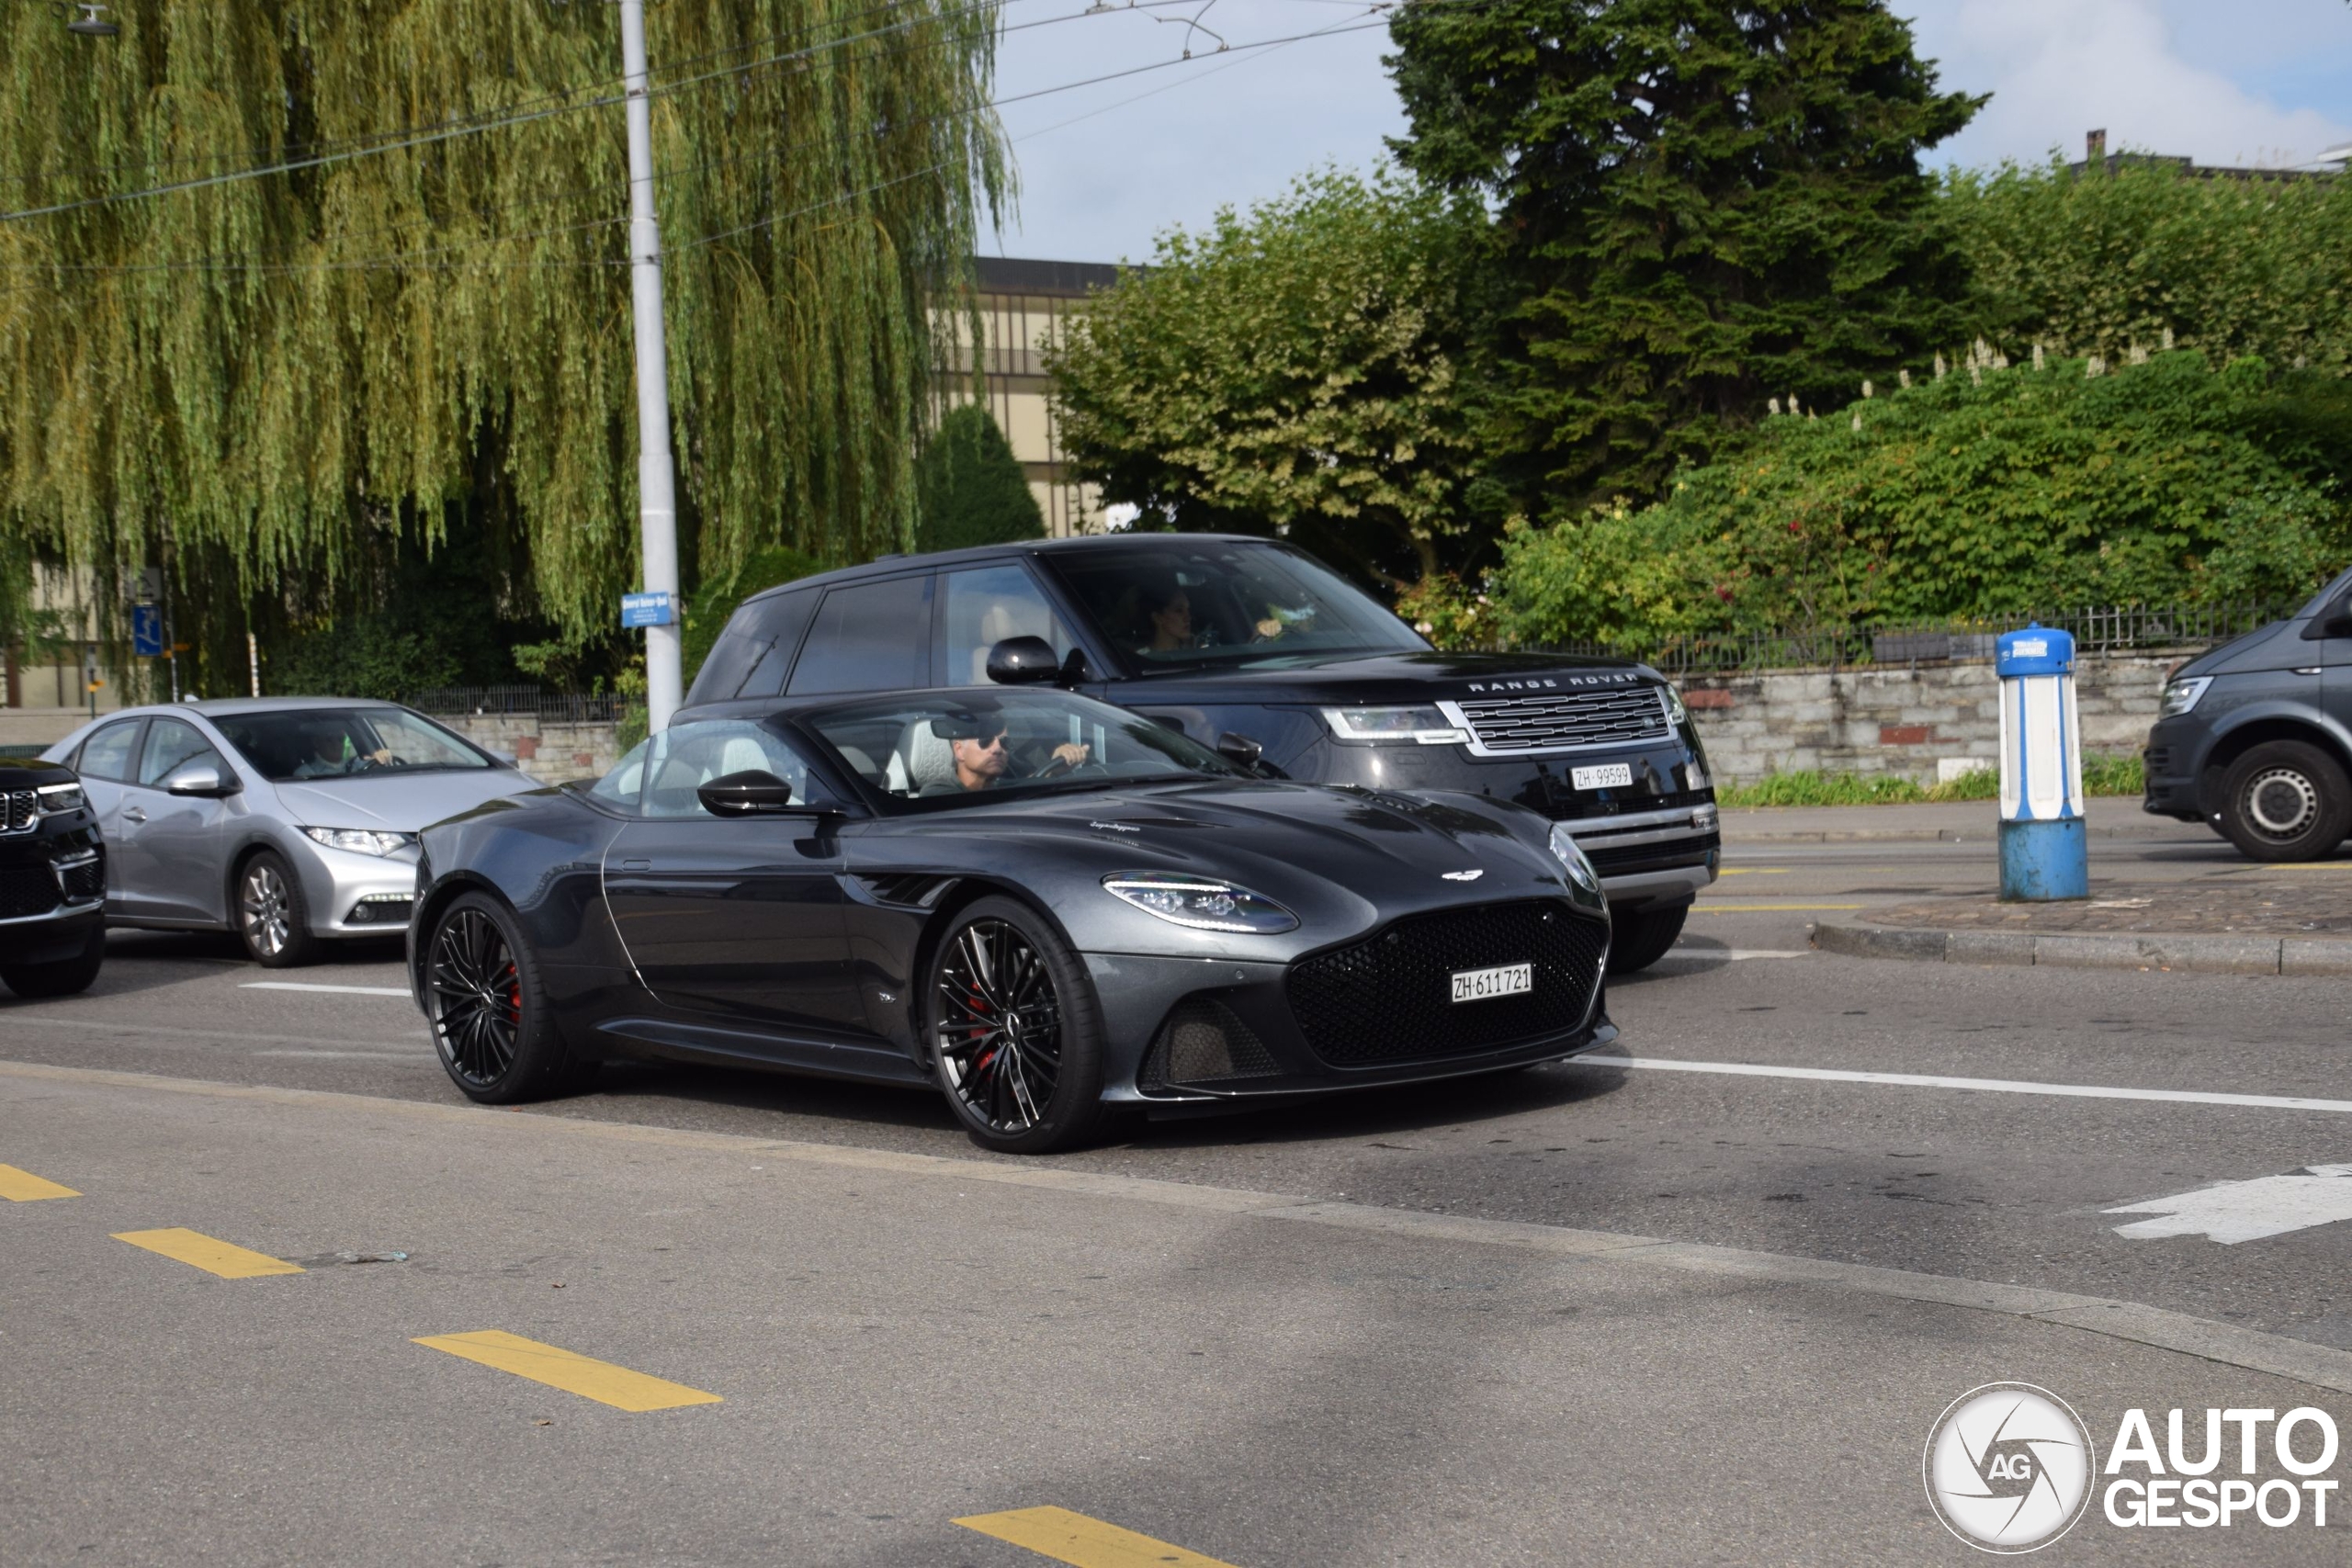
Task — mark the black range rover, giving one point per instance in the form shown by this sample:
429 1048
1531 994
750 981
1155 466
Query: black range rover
1259 651
53 881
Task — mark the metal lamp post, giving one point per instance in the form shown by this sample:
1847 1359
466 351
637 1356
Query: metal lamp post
657 512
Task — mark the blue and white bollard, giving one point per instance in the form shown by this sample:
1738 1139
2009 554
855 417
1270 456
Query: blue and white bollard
2045 849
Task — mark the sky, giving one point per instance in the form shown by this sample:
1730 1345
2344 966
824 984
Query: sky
1105 168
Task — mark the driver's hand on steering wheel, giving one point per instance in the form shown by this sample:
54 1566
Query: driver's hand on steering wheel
1070 754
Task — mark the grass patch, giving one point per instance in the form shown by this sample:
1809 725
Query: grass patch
2101 775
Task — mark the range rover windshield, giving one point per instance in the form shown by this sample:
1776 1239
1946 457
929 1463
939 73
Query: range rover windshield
1221 604
971 745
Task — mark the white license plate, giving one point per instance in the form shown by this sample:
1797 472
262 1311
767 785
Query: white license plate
1508 980
1608 775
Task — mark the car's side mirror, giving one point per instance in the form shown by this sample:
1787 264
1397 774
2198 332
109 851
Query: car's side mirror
2333 621
199 779
1022 661
751 793
1240 751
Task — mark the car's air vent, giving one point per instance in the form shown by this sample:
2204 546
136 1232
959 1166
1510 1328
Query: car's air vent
1620 716
908 889
26 891
83 883
19 809
1203 1042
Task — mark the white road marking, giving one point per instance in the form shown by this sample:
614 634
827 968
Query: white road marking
1737 953
1994 1086
400 991
2233 1211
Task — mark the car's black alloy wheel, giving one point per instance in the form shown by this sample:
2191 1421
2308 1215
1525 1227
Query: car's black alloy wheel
272 914
2286 800
492 1023
1013 1030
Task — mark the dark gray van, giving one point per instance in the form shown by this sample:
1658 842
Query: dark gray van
1260 651
2255 738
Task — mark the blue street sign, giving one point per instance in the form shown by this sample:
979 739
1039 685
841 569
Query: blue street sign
645 610
147 631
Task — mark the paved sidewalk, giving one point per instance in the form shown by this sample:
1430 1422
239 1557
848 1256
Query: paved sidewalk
2110 816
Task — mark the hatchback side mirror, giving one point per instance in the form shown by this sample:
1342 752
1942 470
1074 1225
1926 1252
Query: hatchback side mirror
1022 661
200 779
748 793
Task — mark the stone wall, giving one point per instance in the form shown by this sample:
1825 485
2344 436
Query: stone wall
1900 719
549 751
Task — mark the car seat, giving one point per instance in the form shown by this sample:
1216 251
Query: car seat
922 762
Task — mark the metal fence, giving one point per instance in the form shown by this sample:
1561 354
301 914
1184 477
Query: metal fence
521 702
2112 630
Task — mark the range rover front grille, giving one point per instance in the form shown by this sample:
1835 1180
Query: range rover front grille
1390 998
19 809
1617 716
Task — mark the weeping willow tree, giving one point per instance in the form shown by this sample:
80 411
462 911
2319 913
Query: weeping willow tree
274 384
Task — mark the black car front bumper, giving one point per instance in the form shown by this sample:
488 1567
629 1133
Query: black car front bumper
52 890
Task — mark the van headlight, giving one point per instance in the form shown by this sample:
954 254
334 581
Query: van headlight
1202 903
1425 725
2181 695
1582 879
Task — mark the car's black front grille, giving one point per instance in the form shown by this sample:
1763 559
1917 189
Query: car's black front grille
19 809
1619 716
85 882
1631 859
2157 759
1390 998
27 890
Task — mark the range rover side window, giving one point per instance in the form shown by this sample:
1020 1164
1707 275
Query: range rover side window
106 754
778 634
985 605
869 636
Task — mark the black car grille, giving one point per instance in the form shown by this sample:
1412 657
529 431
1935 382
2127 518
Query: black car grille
19 809
1630 860
1390 998
27 890
2157 759
85 882
1621 715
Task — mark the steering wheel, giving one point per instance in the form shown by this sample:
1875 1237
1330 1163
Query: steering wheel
1062 767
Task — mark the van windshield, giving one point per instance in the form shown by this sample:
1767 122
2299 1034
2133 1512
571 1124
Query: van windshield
1190 604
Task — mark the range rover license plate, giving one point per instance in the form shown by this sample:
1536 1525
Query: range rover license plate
1607 775
1478 985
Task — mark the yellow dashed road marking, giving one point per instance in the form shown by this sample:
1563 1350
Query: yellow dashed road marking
1763 908
24 1187
214 1257
1085 1543
566 1370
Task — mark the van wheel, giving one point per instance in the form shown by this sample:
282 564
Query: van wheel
1639 937
2286 800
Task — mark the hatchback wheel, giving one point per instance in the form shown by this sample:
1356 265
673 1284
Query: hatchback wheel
272 916
491 1023
2286 800
1016 1037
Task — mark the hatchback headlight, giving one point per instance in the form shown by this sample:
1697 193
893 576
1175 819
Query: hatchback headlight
56 800
1583 880
2181 695
1204 903
364 840
1426 725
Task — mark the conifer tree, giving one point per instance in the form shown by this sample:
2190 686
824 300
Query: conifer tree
1698 203
969 487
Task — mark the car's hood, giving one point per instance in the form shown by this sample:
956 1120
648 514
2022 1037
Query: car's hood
393 801
2279 645
1387 677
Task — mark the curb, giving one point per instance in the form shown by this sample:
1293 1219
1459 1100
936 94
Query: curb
1736 833
2188 952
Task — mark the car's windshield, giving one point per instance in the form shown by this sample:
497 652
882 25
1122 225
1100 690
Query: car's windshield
935 748
1191 603
293 744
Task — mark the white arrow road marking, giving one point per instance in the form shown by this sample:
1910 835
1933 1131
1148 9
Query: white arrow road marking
2248 1211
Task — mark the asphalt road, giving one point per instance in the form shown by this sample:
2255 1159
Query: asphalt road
892 1358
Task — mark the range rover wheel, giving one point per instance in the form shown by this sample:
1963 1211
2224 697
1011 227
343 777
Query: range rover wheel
2286 800
1639 937
63 979
1015 1038
272 916
491 1021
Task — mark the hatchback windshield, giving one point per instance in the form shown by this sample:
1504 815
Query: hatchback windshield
317 743
970 745
1186 605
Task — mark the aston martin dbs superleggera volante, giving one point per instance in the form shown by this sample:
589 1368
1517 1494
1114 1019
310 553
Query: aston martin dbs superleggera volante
1048 908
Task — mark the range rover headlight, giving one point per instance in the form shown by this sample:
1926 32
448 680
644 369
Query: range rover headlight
1583 880
2181 695
1202 903
364 840
1425 725
1674 712
58 799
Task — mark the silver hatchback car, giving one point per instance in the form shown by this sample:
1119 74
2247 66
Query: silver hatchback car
289 820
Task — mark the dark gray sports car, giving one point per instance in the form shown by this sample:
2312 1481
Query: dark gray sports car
1050 907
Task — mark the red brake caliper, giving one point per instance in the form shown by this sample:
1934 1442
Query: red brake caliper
980 1006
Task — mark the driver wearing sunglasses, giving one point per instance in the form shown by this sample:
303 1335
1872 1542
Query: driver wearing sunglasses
983 754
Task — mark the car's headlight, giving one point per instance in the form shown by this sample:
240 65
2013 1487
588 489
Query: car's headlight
2181 695
58 799
1674 712
1204 903
1582 879
1427 726
365 840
